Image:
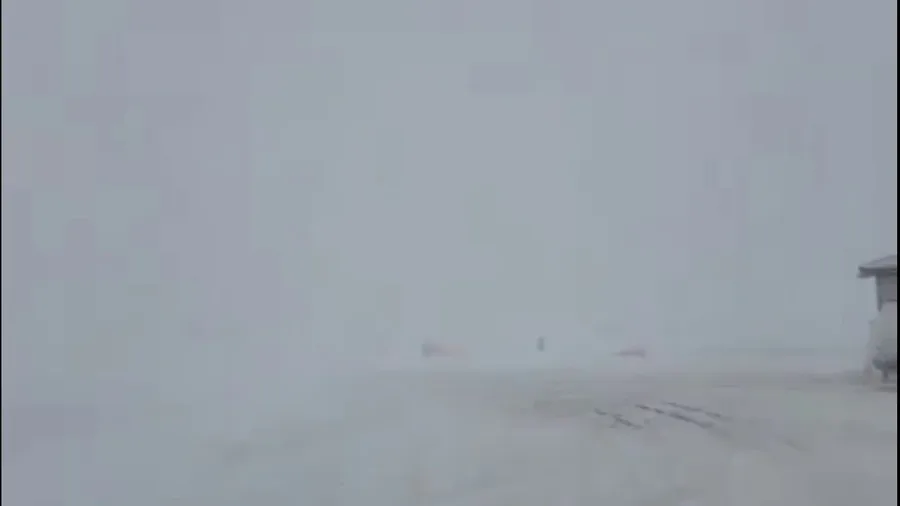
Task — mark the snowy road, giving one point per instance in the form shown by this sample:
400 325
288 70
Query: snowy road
466 438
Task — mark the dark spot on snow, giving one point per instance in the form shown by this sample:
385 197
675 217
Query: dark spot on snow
680 413
618 419
711 414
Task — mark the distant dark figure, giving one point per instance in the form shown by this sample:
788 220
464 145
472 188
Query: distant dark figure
541 344
886 367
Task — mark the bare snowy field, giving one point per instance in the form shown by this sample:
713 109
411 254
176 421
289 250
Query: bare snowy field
469 434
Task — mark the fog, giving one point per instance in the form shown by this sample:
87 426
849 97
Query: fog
204 199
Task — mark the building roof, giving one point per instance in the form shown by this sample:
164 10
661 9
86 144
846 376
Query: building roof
884 265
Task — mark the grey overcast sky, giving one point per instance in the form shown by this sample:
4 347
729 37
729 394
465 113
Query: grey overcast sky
227 182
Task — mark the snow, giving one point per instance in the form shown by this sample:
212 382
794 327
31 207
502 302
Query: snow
474 434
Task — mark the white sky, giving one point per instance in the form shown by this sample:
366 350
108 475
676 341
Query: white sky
230 182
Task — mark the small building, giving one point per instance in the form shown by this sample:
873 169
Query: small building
884 270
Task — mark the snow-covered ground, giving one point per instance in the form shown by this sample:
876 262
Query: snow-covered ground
475 433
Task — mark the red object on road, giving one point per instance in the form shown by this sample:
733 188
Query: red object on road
634 352
430 349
